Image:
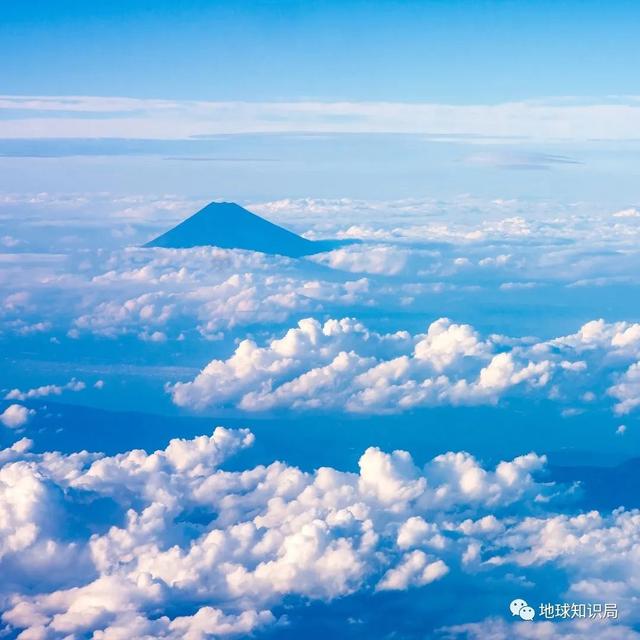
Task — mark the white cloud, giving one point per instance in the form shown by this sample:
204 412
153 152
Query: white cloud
414 569
149 293
156 336
416 532
510 159
253 367
385 260
498 629
446 343
23 496
271 531
599 552
495 261
45 390
15 415
344 366
627 213
627 390
231 546
430 247
622 338
9 242
564 119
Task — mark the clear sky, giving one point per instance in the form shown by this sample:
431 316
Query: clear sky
454 51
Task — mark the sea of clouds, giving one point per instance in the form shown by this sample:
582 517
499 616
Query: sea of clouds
170 544
102 546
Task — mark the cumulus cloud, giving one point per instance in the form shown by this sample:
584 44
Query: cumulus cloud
498 629
627 390
15 415
45 390
159 294
342 365
329 345
627 213
621 338
230 545
414 569
599 553
382 259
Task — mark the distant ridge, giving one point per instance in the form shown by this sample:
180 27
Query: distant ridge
230 226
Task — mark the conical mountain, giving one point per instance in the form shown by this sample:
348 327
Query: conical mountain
230 226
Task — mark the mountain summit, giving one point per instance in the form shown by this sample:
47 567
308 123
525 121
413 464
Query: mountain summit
228 225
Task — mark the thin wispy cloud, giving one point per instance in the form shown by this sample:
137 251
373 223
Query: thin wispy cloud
526 161
115 117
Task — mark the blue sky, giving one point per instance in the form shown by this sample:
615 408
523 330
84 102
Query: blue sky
457 51
478 90
474 92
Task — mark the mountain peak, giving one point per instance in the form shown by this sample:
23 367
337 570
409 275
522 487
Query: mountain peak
230 226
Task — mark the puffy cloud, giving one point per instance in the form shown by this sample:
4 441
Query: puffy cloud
15 415
207 622
627 390
499 629
446 343
627 213
15 450
495 261
23 496
463 218
342 365
156 336
45 390
599 553
619 338
112 318
287 359
391 478
149 293
602 550
386 260
228 545
413 570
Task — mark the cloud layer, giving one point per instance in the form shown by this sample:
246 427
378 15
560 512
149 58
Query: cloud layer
342 365
121 117
113 543
259 534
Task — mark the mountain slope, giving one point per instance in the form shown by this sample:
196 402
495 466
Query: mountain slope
228 225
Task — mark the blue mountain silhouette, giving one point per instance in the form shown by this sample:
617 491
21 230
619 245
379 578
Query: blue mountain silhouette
230 226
